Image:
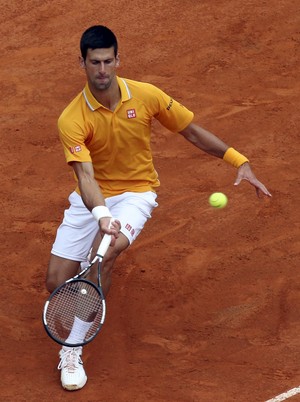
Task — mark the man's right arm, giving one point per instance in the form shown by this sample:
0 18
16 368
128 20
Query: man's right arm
93 198
89 188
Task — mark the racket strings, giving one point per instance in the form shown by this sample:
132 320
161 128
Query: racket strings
74 302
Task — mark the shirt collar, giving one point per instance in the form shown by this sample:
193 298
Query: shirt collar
93 104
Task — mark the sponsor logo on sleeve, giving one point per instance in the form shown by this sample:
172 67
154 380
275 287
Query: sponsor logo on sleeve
170 104
75 149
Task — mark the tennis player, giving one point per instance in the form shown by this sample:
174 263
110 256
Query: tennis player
105 133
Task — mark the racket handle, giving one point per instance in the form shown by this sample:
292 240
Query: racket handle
105 242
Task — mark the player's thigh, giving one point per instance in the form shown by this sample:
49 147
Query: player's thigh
76 233
113 252
110 257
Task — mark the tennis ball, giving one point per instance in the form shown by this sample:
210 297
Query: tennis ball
218 200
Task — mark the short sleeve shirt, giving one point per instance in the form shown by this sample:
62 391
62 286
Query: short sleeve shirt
118 142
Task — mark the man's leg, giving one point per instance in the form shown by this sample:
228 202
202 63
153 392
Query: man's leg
109 259
73 375
73 240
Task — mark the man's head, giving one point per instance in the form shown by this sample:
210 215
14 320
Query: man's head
99 57
98 37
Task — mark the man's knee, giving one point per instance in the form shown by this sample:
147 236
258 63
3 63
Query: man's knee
60 270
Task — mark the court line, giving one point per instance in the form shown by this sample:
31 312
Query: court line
285 395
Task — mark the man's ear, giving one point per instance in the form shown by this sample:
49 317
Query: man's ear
81 62
118 60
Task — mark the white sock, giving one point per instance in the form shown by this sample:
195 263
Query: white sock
78 331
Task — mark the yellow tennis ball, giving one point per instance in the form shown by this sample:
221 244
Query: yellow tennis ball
218 200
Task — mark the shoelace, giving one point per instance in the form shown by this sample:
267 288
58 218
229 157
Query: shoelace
69 360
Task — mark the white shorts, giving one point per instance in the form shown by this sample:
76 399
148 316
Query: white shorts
78 229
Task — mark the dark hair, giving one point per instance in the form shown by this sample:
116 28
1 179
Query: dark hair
97 37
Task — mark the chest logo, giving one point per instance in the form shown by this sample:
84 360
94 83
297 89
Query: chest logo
131 114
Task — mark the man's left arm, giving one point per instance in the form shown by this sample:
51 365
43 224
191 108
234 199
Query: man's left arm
211 144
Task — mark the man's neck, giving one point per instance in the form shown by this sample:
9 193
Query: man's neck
109 97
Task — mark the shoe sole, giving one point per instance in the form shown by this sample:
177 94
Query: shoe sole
74 387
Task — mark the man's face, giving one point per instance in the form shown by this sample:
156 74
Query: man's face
100 66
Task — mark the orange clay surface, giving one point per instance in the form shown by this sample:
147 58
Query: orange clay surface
205 306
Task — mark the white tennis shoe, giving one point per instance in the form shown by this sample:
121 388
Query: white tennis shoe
72 376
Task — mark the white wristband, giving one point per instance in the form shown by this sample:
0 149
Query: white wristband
100 212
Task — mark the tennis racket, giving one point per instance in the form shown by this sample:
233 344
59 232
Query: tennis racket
75 311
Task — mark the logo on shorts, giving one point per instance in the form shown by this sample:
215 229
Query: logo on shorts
131 114
77 148
130 229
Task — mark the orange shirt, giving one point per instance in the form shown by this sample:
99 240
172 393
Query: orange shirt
118 142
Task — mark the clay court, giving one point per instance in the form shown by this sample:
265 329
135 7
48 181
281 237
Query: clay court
205 306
